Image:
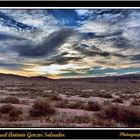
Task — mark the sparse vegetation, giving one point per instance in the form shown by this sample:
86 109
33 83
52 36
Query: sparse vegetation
97 122
76 105
104 95
136 102
41 107
52 96
6 108
117 100
80 119
92 106
10 99
69 103
15 113
125 115
62 104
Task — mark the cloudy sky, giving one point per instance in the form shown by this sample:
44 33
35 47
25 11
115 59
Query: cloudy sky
69 43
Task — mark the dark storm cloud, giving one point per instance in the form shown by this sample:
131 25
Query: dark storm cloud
64 60
120 42
50 44
94 51
135 57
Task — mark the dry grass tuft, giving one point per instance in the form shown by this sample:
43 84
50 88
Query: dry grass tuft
104 95
68 104
53 97
6 108
15 113
41 107
98 122
126 115
136 102
93 106
10 99
80 119
117 100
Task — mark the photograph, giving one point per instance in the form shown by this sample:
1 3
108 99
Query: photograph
70 67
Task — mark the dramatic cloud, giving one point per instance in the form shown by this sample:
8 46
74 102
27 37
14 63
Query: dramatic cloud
49 44
69 42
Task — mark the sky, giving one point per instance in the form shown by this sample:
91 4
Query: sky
69 43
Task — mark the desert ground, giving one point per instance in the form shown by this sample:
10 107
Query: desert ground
88 102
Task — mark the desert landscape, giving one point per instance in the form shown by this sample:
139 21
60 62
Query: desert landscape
69 67
83 102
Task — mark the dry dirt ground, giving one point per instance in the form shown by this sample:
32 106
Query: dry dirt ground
36 102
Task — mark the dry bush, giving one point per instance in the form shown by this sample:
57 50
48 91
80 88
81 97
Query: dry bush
6 108
106 103
72 105
62 104
109 112
92 106
128 92
76 105
106 95
126 115
14 114
118 100
10 99
135 102
85 95
124 97
41 107
55 97
52 96
98 122
80 119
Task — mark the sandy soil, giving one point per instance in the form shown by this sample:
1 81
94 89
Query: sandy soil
76 103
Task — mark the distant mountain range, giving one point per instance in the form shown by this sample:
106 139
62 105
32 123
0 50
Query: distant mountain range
13 76
120 78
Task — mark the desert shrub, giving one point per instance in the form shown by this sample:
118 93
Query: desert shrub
124 97
105 95
92 106
127 115
98 122
62 104
72 105
118 100
85 95
76 105
6 108
10 99
135 102
127 92
109 112
53 97
80 119
106 103
14 114
41 107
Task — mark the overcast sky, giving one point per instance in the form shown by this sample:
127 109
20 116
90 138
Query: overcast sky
70 43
